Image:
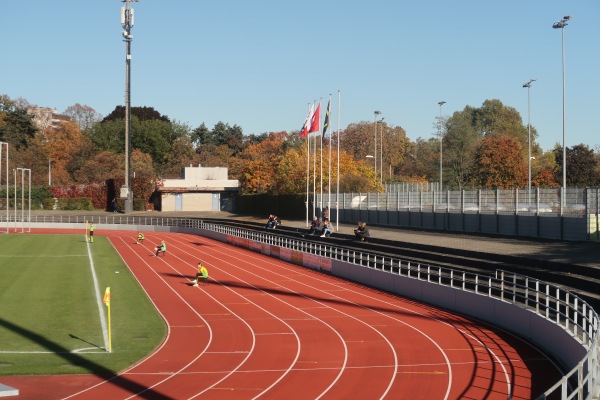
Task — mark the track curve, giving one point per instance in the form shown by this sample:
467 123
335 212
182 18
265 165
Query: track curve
267 329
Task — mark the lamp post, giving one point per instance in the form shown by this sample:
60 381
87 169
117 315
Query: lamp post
561 25
440 103
381 150
127 24
528 86
375 147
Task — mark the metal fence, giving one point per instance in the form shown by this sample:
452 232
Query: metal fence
577 202
572 214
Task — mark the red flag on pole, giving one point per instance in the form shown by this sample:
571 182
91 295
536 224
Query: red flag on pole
315 122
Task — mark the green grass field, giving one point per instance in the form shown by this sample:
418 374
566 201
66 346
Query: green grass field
49 316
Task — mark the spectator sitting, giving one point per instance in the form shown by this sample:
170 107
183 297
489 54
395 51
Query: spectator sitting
327 229
270 222
314 226
362 232
273 222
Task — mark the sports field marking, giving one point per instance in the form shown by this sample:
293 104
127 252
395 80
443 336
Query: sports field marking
37 255
98 297
82 350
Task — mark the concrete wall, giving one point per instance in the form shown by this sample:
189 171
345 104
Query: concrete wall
196 202
541 226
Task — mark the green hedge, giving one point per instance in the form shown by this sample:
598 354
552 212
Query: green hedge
38 195
81 203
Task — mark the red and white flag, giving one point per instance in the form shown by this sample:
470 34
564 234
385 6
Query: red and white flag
306 128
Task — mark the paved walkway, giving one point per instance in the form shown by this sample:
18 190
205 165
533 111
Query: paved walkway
577 253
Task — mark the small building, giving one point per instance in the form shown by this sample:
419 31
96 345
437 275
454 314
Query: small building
199 189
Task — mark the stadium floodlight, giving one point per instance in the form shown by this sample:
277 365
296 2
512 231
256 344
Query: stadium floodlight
528 86
440 103
561 25
127 24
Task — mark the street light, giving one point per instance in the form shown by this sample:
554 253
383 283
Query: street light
440 103
528 86
127 24
375 148
381 150
561 25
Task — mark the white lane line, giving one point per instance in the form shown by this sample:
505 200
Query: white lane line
98 296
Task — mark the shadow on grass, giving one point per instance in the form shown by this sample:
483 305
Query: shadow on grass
85 341
95 369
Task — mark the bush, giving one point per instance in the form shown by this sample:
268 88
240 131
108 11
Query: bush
49 204
81 203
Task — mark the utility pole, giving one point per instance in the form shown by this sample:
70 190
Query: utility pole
127 24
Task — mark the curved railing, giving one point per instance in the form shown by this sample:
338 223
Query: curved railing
547 301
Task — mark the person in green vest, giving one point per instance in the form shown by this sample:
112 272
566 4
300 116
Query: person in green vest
92 232
161 248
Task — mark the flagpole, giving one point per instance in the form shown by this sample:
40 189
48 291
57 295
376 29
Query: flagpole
315 159
321 166
307 170
315 176
329 167
337 196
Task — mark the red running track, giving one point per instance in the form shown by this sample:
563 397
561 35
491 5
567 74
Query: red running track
267 329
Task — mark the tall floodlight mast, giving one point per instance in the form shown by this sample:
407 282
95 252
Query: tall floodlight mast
127 24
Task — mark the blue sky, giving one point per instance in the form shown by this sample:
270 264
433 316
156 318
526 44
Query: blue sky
259 63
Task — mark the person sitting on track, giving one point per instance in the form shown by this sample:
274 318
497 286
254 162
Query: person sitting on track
161 248
201 274
140 238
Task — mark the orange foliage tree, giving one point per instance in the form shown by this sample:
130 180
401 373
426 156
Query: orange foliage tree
499 163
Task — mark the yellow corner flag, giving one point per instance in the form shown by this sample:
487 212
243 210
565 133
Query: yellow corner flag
106 300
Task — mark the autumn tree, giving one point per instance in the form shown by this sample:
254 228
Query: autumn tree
458 144
60 144
101 167
141 165
85 116
499 163
581 166
181 155
257 164
421 161
495 119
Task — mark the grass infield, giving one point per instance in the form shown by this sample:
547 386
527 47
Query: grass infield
49 317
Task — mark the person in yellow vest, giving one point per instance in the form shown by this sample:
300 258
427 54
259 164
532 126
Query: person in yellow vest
201 274
140 239
92 232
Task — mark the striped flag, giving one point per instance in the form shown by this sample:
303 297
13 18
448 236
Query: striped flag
326 123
